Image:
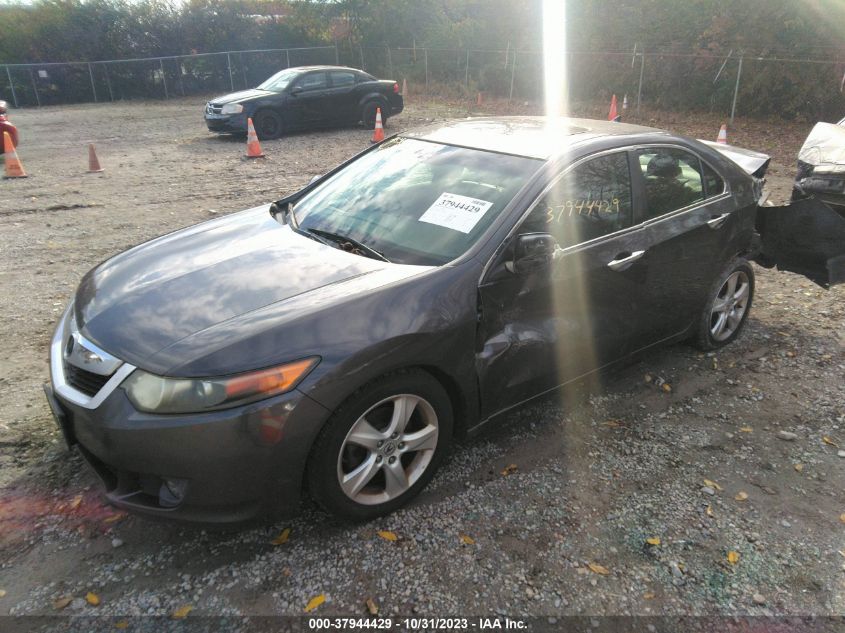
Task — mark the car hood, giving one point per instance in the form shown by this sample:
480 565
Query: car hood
164 291
242 95
825 148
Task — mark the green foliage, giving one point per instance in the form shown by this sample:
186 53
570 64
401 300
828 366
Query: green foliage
602 32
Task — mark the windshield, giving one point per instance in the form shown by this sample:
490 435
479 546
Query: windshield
279 81
416 202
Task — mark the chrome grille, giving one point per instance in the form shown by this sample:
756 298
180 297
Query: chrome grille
213 108
87 382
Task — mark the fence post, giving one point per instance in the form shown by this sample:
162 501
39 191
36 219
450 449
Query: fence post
336 55
640 88
389 62
108 81
513 72
736 89
466 72
287 56
93 88
425 56
361 50
243 69
163 78
12 87
34 87
181 71
229 64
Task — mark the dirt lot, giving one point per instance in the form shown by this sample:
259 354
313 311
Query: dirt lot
565 532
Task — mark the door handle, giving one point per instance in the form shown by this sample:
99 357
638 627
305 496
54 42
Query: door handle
718 221
624 263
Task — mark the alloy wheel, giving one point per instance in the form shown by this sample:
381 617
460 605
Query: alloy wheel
387 449
729 306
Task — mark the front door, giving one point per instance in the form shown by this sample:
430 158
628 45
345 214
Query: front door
308 100
541 329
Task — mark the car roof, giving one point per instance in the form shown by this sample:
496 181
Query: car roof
531 136
309 68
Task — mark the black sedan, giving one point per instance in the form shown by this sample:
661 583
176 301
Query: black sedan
306 97
339 340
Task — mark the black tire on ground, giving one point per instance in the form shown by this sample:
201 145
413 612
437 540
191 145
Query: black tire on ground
728 305
268 124
368 115
333 457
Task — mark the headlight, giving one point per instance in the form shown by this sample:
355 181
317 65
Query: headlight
156 394
232 108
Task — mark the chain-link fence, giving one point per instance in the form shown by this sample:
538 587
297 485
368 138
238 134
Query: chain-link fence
669 79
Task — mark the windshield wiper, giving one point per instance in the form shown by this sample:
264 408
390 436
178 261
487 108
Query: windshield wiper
343 240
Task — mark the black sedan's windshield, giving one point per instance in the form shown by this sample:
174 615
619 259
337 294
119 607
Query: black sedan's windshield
414 201
279 81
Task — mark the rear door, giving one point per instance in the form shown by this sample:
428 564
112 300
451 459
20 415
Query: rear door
342 101
805 237
690 231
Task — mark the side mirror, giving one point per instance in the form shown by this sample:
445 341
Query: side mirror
533 252
315 179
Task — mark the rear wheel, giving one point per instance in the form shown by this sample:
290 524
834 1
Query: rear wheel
727 307
268 124
381 447
368 115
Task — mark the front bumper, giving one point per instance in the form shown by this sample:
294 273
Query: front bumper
230 466
226 122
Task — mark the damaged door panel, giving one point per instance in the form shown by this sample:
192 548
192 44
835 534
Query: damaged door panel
805 237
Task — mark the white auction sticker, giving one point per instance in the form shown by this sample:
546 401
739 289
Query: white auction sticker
459 213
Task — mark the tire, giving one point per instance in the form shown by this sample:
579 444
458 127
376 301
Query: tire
268 124
381 473
727 307
368 115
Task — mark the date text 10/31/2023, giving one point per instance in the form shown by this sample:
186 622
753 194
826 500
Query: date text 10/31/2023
417 624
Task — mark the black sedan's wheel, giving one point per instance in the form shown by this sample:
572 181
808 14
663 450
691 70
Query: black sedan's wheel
368 116
268 124
728 306
381 447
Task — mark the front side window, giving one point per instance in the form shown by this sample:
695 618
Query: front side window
672 179
416 202
312 81
591 200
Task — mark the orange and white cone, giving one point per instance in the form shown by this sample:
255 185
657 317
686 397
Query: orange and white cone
93 162
613 115
14 168
378 131
253 147
723 135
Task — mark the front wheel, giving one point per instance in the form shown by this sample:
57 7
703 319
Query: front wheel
727 307
381 447
268 124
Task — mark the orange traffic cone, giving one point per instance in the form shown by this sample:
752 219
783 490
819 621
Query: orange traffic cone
723 135
613 115
253 147
378 131
93 163
14 169
405 88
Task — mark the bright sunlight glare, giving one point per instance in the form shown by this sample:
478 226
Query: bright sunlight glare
554 58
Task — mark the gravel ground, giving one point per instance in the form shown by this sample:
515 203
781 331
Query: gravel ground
720 494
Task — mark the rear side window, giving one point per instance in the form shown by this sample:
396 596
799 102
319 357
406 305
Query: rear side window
713 183
589 201
343 79
672 179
